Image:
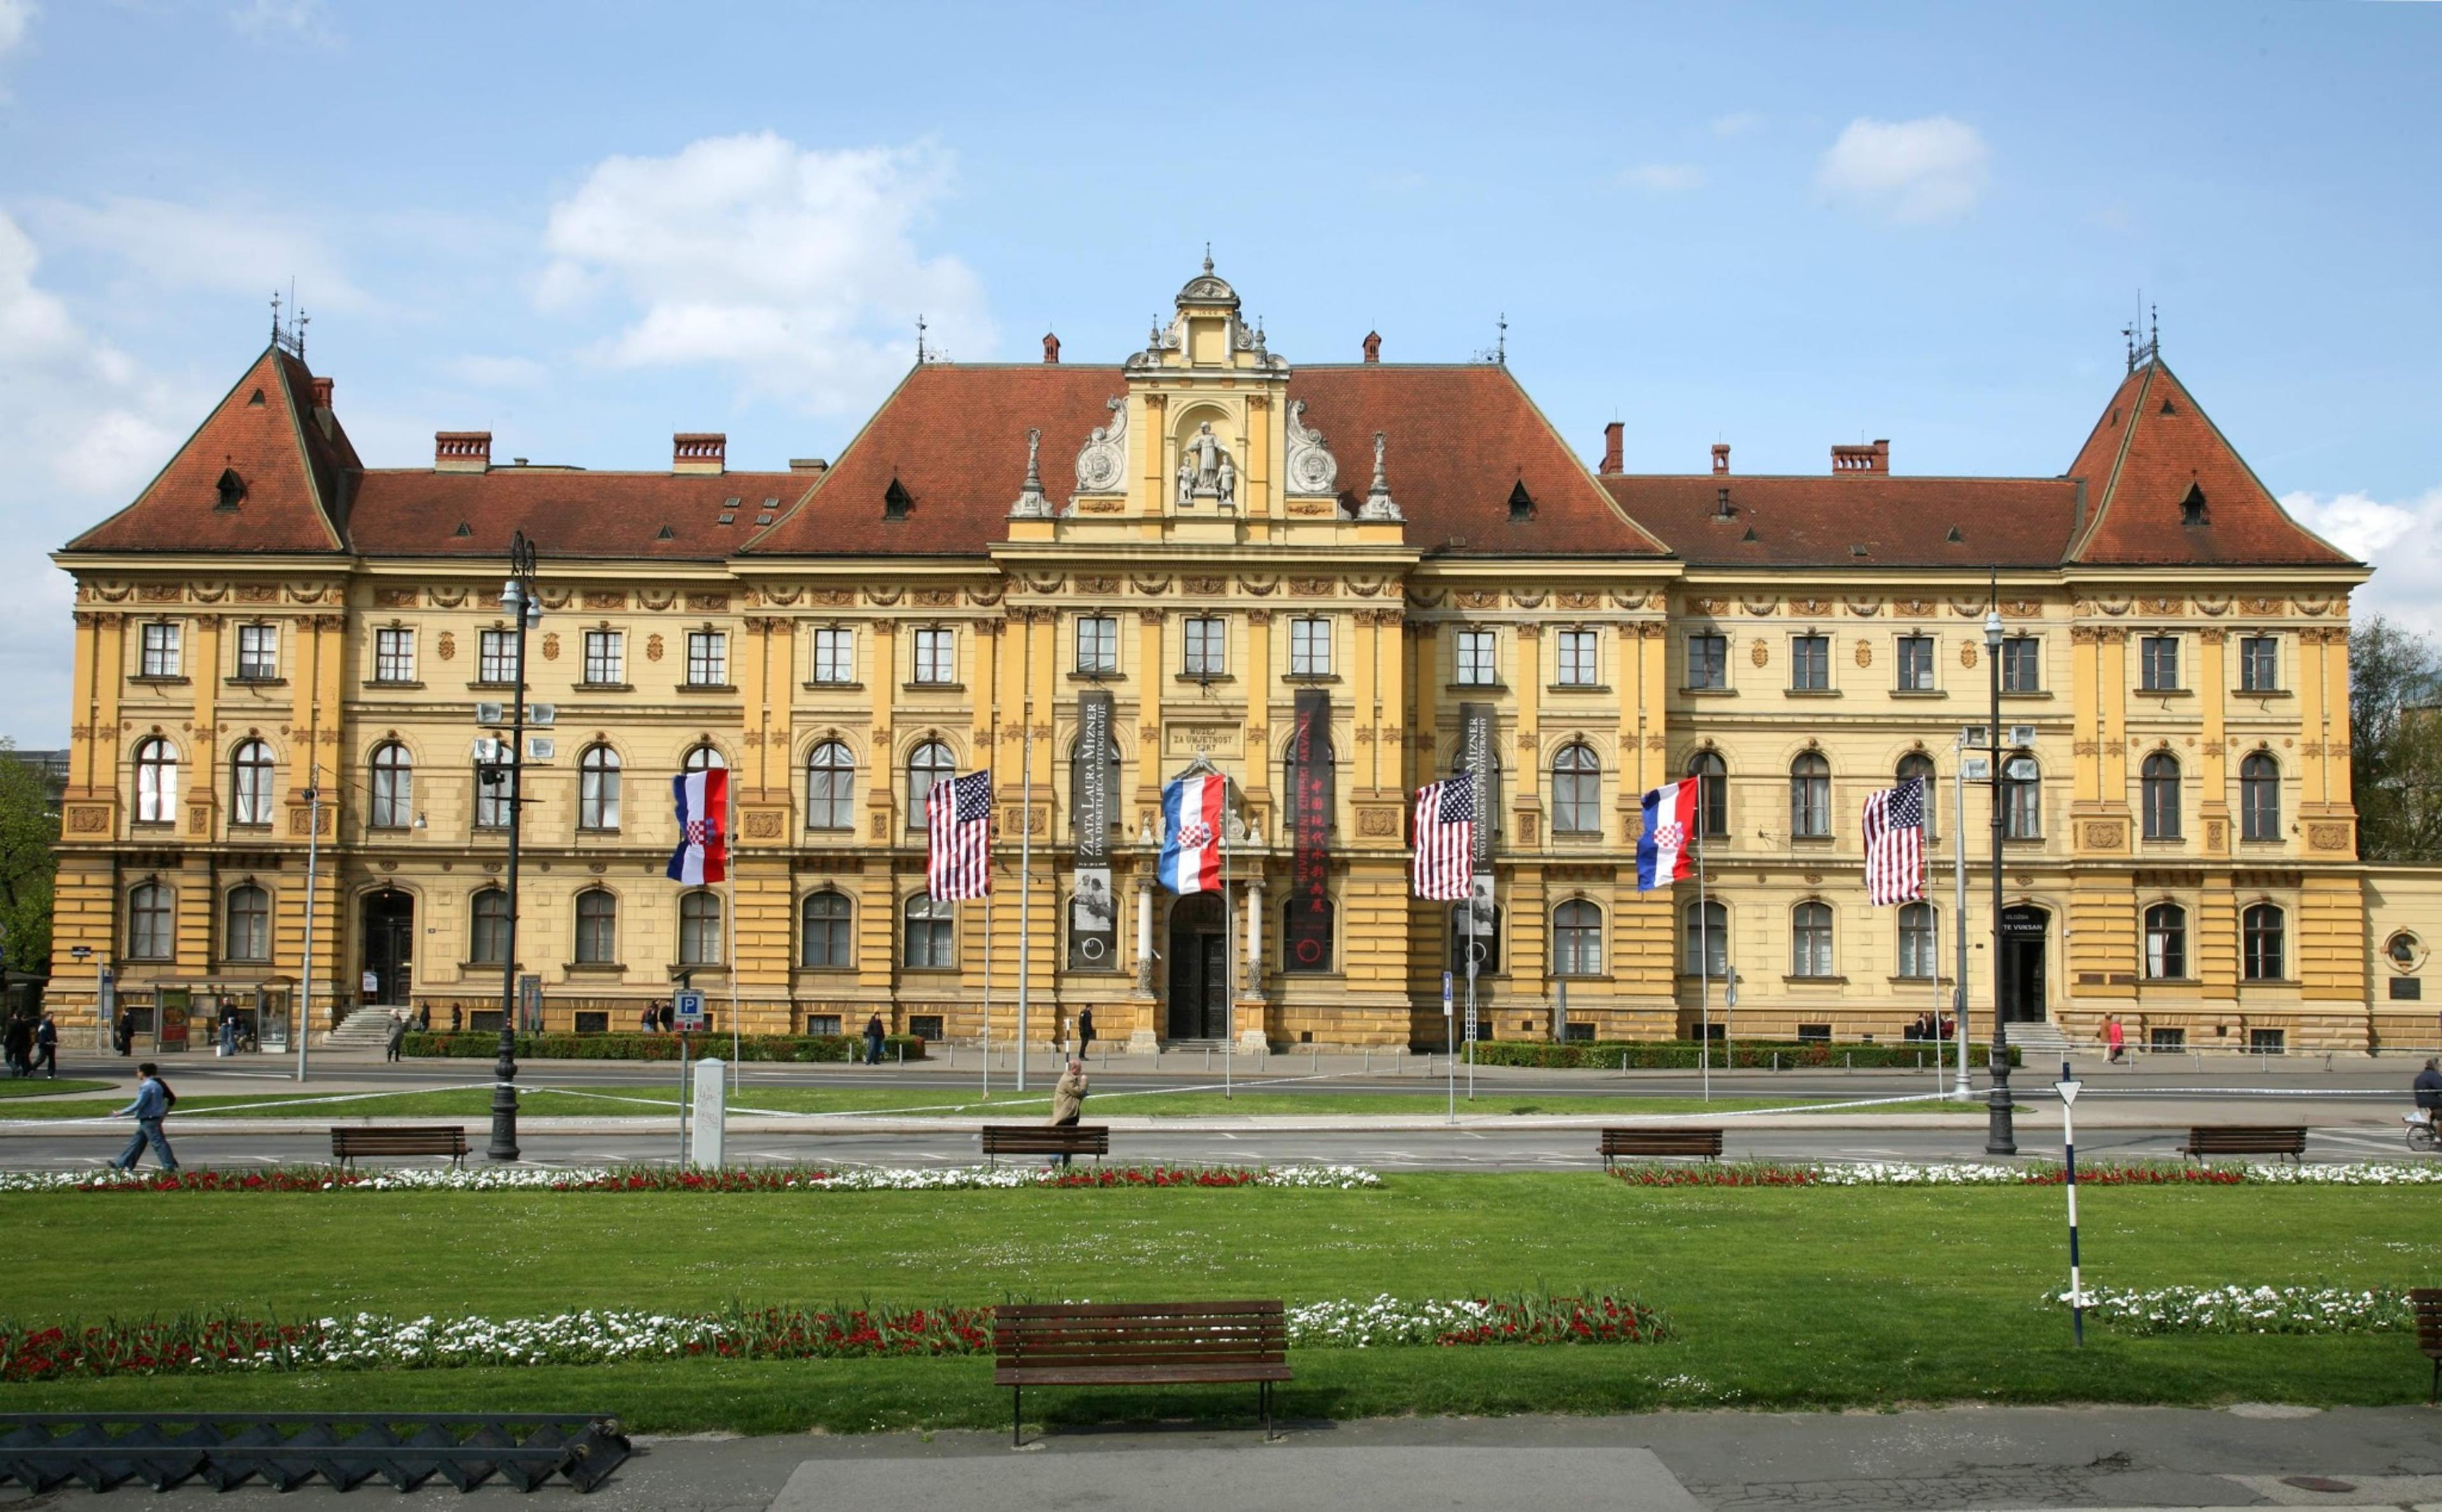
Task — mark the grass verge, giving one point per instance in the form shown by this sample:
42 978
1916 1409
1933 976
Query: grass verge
16 1087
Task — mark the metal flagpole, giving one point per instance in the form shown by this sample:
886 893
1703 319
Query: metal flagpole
1025 870
1705 968
1959 921
1470 982
304 1029
1229 953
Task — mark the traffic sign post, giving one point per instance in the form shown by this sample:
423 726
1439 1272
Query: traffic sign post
1450 1041
687 1008
2067 1087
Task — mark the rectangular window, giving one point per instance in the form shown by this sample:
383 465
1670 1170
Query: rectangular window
1309 648
258 652
1577 659
925 1027
1097 646
496 657
1709 661
835 654
606 657
2267 1042
707 658
394 654
2022 665
1810 664
160 650
2166 1041
2158 663
1814 1033
823 1023
1916 664
2259 665
492 798
1476 668
1207 648
936 655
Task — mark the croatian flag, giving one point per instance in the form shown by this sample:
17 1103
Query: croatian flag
1190 834
703 854
1662 855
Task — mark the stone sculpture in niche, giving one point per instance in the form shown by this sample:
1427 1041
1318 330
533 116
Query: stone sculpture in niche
1205 470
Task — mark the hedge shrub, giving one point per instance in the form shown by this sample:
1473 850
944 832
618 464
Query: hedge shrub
1755 1054
481 1044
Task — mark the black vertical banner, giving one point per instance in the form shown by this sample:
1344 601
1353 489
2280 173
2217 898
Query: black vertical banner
1308 935
1477 755
1093 908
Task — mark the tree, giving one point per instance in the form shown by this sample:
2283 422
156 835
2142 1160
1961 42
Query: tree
2396 741
29 832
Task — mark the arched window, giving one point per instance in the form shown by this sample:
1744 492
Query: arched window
150 932
488 937
1920 765
597 788
1483 935
1704 941
156 782
1576 792
393 788
1079 781
2022 817
1577 939
250 784
2166 943
2259 797
2160 776
928 764
1810 940
932 936
700 929
1712 794
245 933
597 928
705 757
830 786
1809 797
2262 931
1920 942
823 931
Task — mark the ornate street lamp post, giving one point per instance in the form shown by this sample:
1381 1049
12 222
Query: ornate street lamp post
2001 1134
518 596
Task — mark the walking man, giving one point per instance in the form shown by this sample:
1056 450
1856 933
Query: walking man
1084 1032
152 1103
873 1040
46 1046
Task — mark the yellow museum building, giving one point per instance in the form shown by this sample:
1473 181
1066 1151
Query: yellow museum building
1191 553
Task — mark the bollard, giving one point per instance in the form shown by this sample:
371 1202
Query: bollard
711 1111
1207 1060
1314 1062
1848 1060
1775 1060
902 1055
1369 1060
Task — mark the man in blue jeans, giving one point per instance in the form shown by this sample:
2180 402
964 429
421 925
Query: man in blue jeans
152 1105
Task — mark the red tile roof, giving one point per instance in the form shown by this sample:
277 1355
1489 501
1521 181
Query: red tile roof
1818 522
566 513
265 431
2152 445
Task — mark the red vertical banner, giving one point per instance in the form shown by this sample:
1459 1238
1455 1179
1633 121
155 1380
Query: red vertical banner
1308 937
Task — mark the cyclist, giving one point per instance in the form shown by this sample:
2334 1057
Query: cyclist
2429 1088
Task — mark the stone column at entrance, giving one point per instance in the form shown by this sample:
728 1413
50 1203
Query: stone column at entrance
1141 1038
1254 1034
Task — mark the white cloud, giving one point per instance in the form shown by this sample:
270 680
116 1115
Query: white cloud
1911 172
85 425
242 251
497 373
2403 542
1738 123
1663 178
16 18
309 20
797 268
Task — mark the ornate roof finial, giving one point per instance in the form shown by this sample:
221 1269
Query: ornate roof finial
1207 257
920 338
1030 504
1379 504
275 317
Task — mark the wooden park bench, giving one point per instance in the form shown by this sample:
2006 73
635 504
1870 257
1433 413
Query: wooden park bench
1635 1143
1153 1343
1046 1139
2245 1139
2428 1302
435 1139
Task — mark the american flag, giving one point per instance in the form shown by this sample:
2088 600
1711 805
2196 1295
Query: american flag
1895 843
958 839
1446 837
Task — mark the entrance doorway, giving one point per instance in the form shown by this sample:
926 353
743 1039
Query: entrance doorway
1199 970
390 948
2023 929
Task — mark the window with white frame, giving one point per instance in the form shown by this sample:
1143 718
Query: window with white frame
1810 940
1477 665
159 655
394 787
823 931
707 658
835 654
393 654
830 786
1576 665
487 937
496 657
1577 790
597 928
1208 647
1310 648
2259 664
1810 664
1919 937
2158 663
1709 661
2022 665
931 933
2166 943
1097 646
597 788
1916 664
2259 797
1809 797
1577 939
936 655
700 929
246 930
2261 933
156 782
258 652
1705 940
151 934
606 657
250 784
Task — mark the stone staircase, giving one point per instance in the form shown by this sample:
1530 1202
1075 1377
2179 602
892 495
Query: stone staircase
2037 1039
366 1029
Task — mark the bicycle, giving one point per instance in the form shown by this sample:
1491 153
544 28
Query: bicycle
2421 1132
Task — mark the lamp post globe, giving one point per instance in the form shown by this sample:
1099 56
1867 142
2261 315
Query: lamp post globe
519 599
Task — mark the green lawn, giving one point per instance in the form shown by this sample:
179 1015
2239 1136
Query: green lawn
1787 1298
957 1100
43 1086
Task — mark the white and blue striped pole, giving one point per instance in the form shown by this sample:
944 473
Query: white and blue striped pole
2068 1088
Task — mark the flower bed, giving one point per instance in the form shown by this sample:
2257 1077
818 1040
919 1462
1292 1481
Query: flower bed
1752 1055
373 1341
673 1178
481 1044
2034 1174
2248 1309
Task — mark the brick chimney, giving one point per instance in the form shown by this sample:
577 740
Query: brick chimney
812 465
1373 346
1721 459
462 450
1050 347
1876 458
699 451
1611 446
322 394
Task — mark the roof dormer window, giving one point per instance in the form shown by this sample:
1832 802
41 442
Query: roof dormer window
896 501
232 488
1521 503
254 400
2191 509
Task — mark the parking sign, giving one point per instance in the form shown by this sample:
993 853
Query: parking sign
688 1009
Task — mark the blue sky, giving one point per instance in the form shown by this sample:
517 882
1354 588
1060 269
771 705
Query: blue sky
1782 227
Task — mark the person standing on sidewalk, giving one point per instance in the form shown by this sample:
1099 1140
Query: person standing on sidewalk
2114 1036
397 1037
1084 1032
1069 1097
47 1047
154 1101
873 1037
